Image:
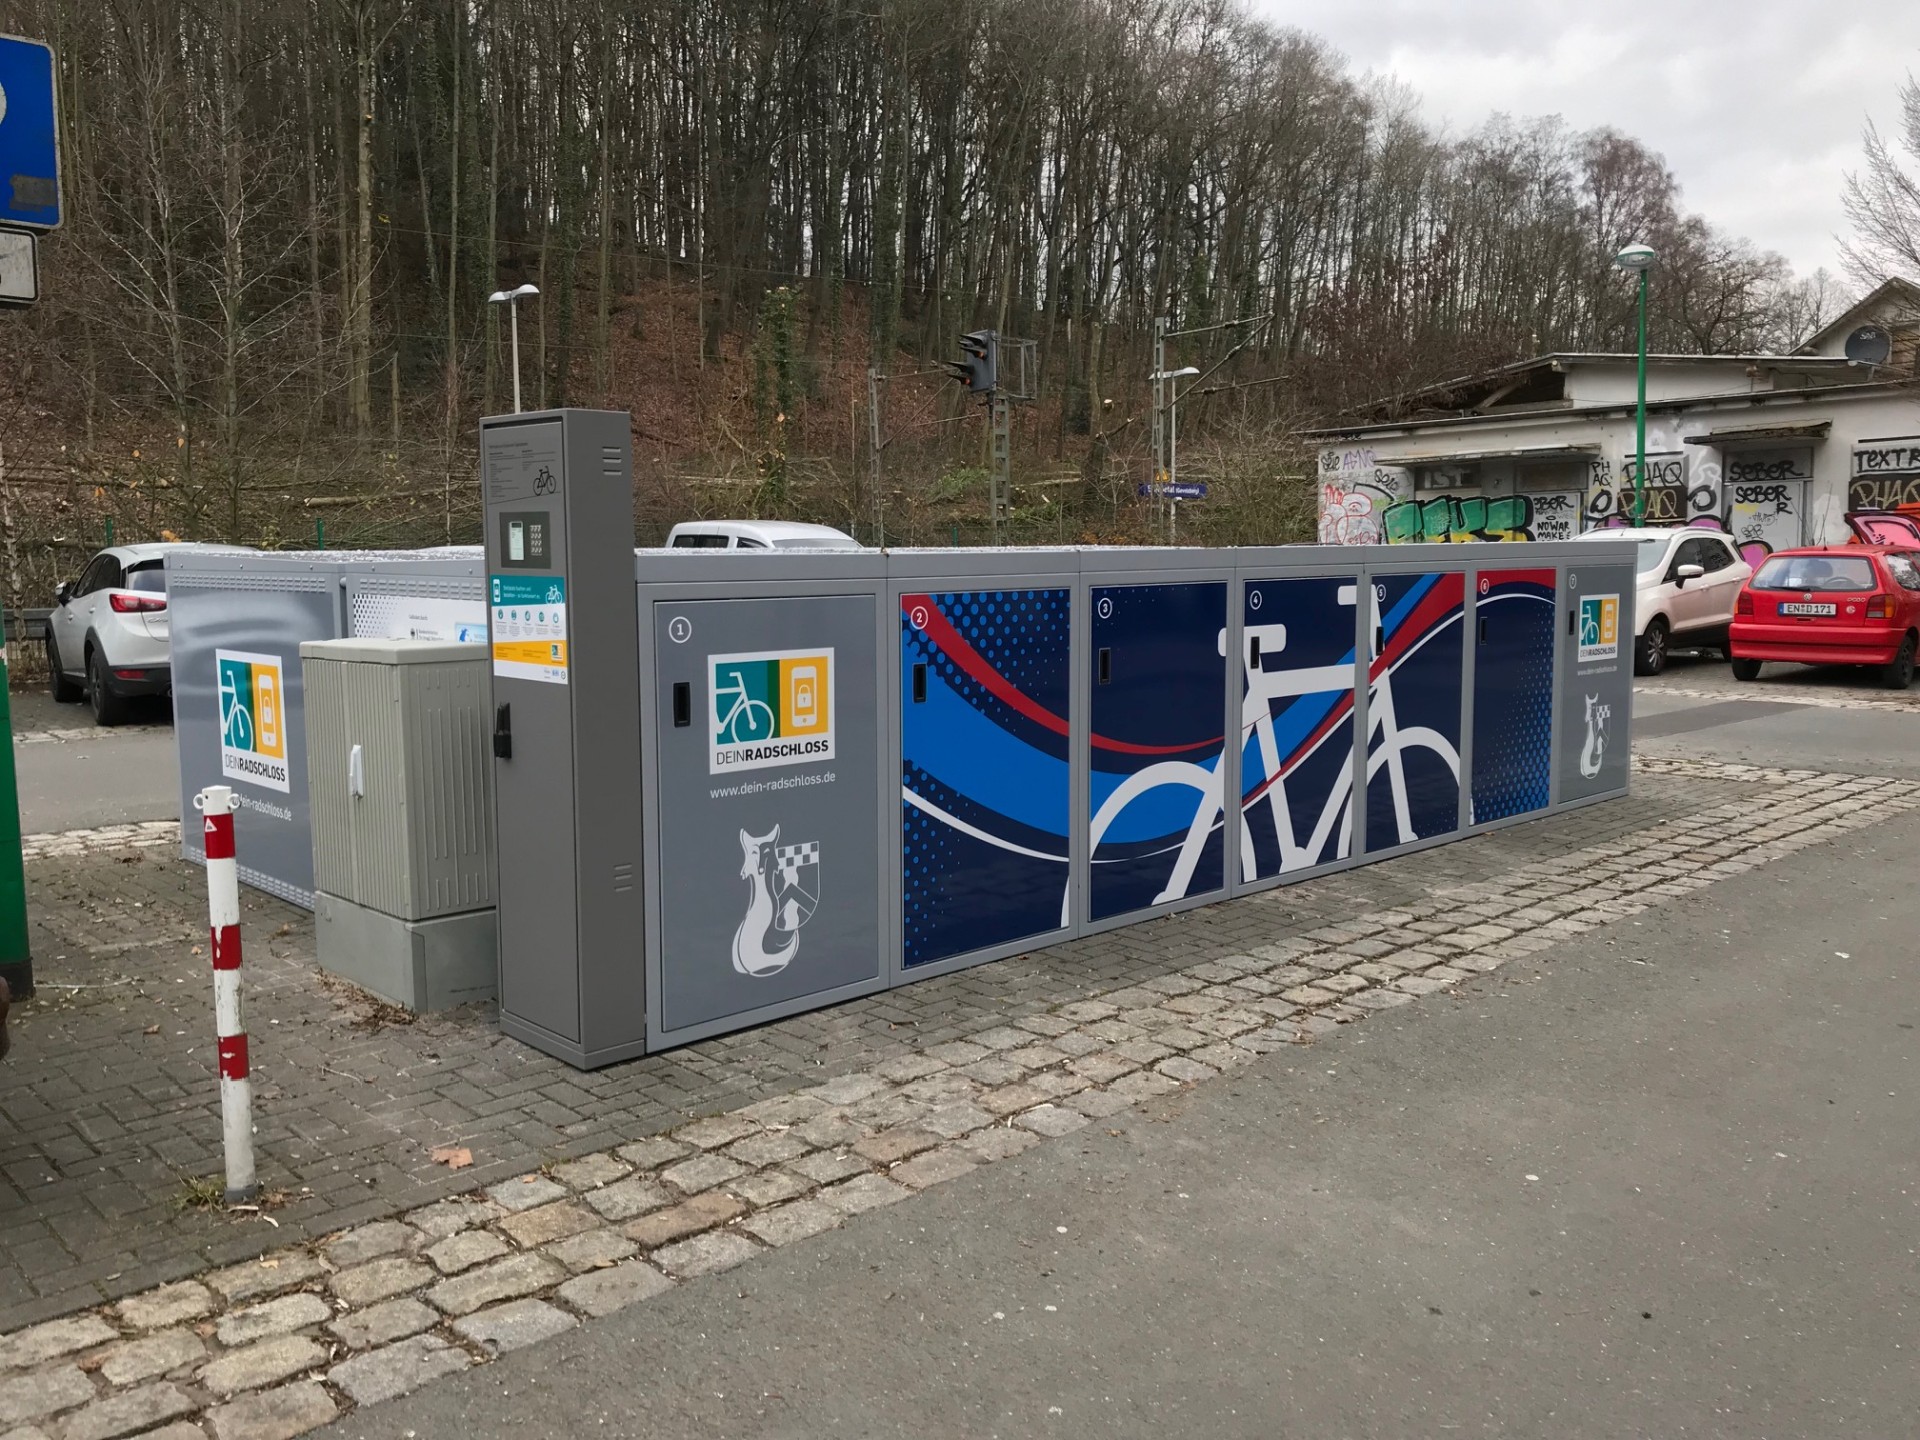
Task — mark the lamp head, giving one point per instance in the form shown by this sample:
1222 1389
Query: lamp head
1635 257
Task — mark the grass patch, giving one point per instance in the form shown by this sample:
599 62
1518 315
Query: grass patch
201 1192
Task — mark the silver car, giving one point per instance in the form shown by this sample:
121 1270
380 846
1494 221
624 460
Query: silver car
107 635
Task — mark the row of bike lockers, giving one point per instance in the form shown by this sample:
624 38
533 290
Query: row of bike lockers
750 785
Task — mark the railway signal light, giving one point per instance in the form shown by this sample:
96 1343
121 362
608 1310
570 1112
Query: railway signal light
979 366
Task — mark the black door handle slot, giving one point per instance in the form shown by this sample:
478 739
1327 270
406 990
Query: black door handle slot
1379 641
1569 622
1106 666
682 704
503 732
1483 629
1253 653
920 683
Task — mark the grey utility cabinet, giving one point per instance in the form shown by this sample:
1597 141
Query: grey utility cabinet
403 843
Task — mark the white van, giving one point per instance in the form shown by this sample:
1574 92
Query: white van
757 535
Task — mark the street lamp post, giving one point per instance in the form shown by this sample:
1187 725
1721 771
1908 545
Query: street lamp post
511 299
1640 257
1168 377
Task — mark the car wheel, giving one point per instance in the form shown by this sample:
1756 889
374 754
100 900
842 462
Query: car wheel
1746 669
59 684
108 708
1899 674
1650 650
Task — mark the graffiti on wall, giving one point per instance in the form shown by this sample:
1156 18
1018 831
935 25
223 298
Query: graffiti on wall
1886 474
1679 487
1897 456
1347 517
1556 517
1609 495
1463 519
1602 501
1459 520
1766 499
1355 492
1703 484
1365 502
1769 469
1883 492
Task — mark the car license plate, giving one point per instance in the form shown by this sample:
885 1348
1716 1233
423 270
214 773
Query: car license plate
1803 607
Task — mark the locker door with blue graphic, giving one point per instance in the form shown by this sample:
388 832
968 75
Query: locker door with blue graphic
1296 724
1158 718
1512 693
1413 708
984 772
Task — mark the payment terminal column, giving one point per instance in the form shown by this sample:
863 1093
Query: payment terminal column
558 488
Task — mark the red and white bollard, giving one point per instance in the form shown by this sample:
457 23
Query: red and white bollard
217 804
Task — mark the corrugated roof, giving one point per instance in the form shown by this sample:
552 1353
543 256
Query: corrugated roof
1529 452
1803 395
1814 430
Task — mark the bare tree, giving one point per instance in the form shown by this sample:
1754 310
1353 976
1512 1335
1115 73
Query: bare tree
1882 201
325 191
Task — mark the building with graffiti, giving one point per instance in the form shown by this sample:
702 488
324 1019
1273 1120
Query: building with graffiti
1774 449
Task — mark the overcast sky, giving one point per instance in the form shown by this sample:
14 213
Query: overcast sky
1757 107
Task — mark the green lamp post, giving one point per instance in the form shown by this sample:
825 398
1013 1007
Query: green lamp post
1639 257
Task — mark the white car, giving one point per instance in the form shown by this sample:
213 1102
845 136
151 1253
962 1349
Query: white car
757 535
1689 582
107 635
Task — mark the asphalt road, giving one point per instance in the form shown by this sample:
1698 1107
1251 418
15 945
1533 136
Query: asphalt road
1666 1187
1756 732
1787 717
97 777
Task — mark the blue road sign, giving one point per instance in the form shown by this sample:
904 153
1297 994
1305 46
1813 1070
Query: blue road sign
29 136
1178 490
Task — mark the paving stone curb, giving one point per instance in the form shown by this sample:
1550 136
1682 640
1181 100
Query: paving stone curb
63 735
139 835
1789 696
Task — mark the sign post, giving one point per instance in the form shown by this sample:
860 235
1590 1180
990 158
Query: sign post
16 960
1173 492
29 202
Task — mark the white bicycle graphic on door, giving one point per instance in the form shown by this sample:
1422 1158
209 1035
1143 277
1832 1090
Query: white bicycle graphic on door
236 720
747 719
1256 719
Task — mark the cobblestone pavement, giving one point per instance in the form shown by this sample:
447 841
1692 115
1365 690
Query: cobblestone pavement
800 1124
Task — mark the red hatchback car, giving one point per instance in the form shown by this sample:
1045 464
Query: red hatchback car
1831 605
